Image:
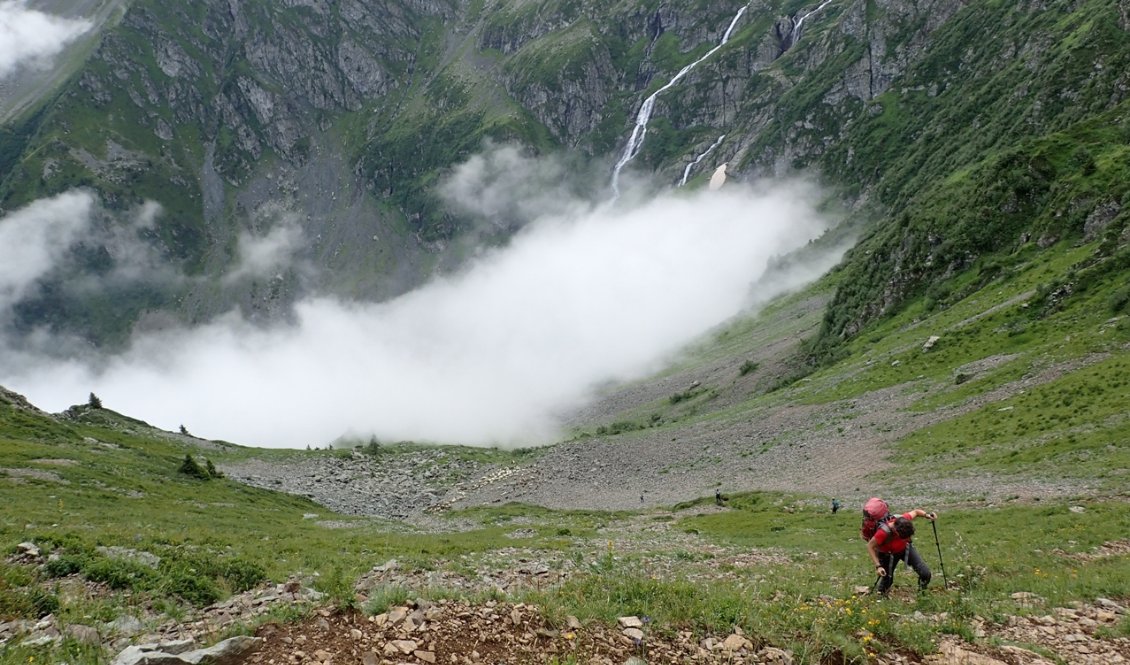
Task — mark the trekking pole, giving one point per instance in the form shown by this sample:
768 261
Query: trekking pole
940 560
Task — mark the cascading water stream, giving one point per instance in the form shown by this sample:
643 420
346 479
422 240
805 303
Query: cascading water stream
635 141
796 26
687 171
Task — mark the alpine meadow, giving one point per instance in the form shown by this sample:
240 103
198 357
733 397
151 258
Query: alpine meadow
567 332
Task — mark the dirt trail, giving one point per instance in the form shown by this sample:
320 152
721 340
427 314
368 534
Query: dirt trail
464 633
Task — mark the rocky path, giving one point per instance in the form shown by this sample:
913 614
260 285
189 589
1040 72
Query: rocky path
461 633
495 633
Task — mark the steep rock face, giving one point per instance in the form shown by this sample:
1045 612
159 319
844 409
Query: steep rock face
573 102
224 113
851 53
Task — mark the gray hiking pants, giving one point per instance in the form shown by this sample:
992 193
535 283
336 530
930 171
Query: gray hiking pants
912 559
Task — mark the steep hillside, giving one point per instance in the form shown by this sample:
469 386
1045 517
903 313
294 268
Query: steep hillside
112 541
337 123
27 87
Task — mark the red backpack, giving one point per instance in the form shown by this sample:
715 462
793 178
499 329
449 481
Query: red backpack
875 513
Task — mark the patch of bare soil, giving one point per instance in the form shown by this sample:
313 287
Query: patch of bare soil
493 633
424 633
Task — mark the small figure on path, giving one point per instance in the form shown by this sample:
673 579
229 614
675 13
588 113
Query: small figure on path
835 506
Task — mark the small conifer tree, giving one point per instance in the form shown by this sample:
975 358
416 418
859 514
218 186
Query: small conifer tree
189 467
94 402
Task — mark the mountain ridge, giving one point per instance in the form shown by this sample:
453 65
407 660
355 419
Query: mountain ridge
831 102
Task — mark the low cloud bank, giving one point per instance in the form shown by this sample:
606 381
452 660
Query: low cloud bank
31 37
492 355
36 238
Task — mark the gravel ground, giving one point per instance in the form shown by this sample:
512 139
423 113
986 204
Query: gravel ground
837 449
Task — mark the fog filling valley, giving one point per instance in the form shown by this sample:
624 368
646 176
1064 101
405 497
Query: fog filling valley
584 295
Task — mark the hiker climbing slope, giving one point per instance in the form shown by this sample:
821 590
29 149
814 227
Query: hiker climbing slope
891 543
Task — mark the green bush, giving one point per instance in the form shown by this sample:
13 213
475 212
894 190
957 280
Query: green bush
385 597
27 603
339 587
190 468
196 589
242 575
65 564
618 427
1119 299
120 573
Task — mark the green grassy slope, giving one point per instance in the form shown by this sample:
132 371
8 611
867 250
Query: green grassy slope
974 156
780 567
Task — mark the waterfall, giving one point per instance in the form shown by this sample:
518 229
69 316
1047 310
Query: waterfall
635 141
799 22
687 171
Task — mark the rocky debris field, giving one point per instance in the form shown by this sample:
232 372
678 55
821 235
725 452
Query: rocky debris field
392 486
827 449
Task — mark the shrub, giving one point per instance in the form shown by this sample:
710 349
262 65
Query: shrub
29 603
1084 160
242 575
119 573
694 390
1119 299
747 367
66 564
338 587
189 467
192 588
385 597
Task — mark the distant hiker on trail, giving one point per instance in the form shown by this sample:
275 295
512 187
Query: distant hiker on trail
720 500
891 543
835 506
